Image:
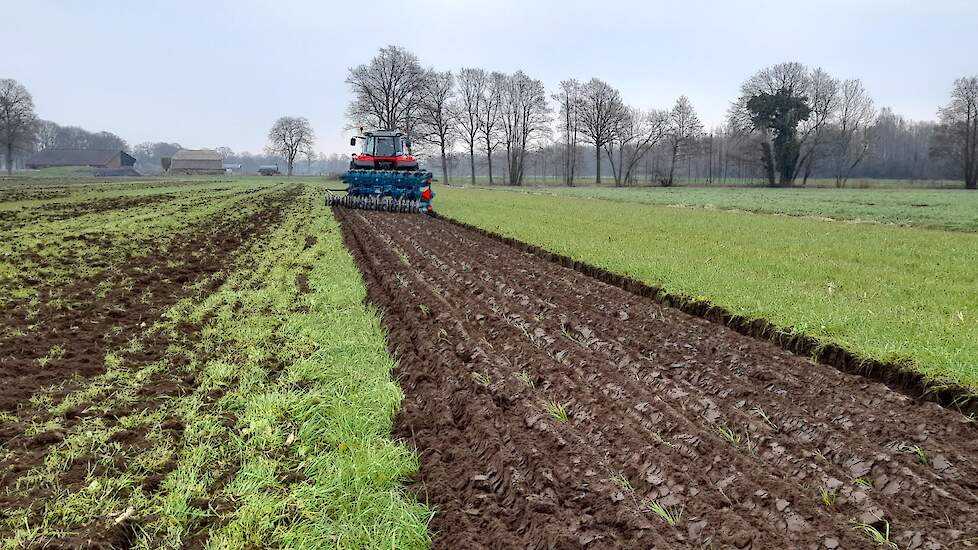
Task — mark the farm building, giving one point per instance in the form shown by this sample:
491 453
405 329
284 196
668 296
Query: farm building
95 158
197 161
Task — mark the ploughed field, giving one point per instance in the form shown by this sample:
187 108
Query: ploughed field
553 410
190 364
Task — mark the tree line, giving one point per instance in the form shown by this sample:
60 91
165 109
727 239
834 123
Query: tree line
290 139
790 123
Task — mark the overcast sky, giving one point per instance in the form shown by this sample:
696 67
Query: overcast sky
210 74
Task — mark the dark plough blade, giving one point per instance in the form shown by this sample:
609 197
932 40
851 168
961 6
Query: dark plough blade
378 203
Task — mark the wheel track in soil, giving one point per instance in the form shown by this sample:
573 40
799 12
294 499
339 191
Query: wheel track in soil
649 388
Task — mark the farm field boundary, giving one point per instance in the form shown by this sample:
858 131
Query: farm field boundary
898 377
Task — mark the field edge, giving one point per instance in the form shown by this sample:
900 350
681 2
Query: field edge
897 376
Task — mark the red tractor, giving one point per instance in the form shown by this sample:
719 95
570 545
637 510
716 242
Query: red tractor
385 176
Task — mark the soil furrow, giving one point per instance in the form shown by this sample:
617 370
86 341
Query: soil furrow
758 447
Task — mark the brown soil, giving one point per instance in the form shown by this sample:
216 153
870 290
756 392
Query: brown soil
86 326
486 335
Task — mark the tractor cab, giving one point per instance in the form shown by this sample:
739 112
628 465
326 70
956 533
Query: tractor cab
383 150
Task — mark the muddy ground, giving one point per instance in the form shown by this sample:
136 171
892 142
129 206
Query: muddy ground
747 445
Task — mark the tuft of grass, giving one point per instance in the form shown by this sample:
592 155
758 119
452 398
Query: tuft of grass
827 496
557 410
482 378
672 515
729 435
917 451
880 538
768 420
620 480
863 482
524 377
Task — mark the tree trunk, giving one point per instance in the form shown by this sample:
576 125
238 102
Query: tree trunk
971 153
10 157
518 166
573 161
489 162
472 159
597 165
672 164
510 166
619 181
444 165
768 159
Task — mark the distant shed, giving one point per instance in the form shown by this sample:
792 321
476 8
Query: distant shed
96 158
197 162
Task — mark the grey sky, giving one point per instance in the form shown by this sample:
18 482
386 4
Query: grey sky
209 74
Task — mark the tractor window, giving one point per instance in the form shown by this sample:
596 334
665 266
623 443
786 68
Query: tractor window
384 147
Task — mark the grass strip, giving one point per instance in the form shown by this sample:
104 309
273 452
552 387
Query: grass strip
951 209
307 460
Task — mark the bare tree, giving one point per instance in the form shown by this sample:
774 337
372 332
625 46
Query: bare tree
684 129
569 99
491 116
524 117
601 112
47 134
636 134
472 86
386 91
290 137
17 119
436 120
823 98
850 125
51 135
788 105
957 136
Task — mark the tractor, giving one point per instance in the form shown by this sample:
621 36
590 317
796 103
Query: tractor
385 176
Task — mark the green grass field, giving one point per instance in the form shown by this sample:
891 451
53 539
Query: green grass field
889 293
955 209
